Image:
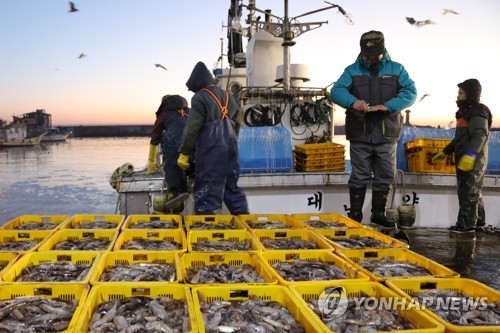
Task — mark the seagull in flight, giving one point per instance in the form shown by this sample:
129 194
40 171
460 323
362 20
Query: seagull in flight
449 11
161 66
421 98
419 24
82 55
72 7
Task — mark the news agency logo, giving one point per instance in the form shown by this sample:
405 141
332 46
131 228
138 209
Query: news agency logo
331 304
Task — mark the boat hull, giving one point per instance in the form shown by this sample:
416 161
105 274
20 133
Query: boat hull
21 142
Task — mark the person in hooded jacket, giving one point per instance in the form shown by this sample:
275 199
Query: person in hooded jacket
167 130
211 133
470 146
373 90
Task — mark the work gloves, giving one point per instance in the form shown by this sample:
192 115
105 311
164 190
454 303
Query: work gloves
467 161
438 158
153 150
183 161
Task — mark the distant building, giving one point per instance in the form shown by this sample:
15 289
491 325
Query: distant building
35 120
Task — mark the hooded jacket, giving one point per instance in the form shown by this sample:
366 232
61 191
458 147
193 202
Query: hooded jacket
386 83
204 109
474 121
171 107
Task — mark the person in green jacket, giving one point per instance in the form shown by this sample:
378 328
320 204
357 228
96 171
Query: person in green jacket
470 146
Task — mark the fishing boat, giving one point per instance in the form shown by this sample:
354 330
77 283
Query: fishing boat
40 122
16 135
55 134
282 114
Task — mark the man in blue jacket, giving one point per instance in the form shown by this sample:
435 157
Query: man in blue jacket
211 133
373 90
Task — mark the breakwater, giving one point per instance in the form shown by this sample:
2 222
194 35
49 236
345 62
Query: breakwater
107 131
94 131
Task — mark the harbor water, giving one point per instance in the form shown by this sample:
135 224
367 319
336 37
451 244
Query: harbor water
73 178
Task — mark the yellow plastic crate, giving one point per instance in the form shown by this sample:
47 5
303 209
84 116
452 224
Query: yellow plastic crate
338 167
253 221
221 222
468 287
76 221
420 160
273 257
355 255
330 220
53 222
6 260
199 259
172 235
107 292
332 235
131 220
236 236
314 162
64 235
427 143
7 236
115 258
319 148
37 258
294 234
279 294
306 292
68 292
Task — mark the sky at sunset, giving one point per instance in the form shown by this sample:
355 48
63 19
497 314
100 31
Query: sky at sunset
117 81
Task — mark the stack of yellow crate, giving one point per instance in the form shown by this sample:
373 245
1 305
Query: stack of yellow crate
420 152
315 157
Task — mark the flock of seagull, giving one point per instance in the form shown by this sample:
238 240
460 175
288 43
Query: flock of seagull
73 9
410 20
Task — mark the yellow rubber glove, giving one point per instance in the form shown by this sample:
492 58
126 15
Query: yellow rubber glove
183 161
467 161
438 158
153 150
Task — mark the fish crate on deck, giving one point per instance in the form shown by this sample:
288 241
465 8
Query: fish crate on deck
47 257
6 260
116 258
240 293
467 287
131 220
214 222
291 234
38 237
171 235
314 157
320 256
68 292
420 152
107 292
76 221
312 292
235 259
332 235
330 221
235 236
435 269
51 222
65 235
255 221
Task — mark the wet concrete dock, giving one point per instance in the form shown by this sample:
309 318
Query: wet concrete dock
473 255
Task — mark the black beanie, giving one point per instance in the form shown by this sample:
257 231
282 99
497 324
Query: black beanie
472 89
372 43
